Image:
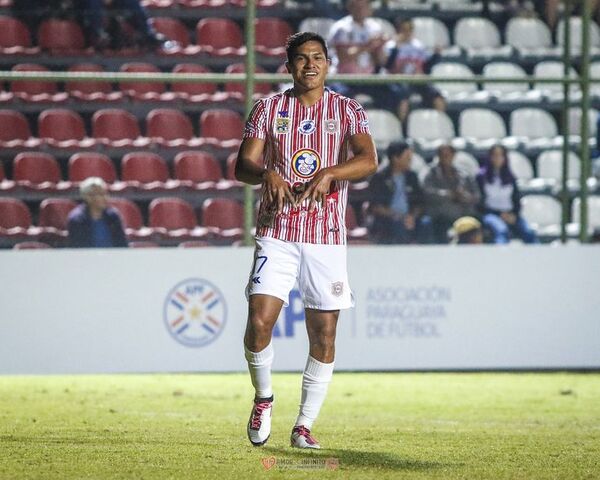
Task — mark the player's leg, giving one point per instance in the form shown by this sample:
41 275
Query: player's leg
272 277
321 328
323 281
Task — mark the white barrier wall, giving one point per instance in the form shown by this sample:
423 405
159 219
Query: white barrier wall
167 310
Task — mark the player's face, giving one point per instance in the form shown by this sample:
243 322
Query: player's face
309 66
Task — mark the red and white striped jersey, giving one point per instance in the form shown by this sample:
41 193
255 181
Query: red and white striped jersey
299 141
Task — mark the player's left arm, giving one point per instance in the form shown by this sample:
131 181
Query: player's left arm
361 165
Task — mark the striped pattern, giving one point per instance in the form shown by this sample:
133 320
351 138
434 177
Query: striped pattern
277 120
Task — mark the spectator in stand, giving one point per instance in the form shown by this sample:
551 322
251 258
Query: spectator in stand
106 20
397 201
407 55
357 43
501 201
33 12
467 231
450 193
94 223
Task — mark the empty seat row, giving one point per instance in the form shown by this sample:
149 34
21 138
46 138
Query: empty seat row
479 128
64 128
97 90
219 37
195 170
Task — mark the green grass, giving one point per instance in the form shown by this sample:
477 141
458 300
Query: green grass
377 425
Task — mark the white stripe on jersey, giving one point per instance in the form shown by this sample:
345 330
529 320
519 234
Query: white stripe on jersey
299 141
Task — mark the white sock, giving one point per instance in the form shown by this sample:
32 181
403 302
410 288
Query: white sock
259 365
315 381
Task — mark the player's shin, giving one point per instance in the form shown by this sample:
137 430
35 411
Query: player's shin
315 381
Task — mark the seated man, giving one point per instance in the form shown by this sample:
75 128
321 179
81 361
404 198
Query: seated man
450 193
94 223
397 201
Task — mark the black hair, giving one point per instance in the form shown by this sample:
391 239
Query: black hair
397 147
300 38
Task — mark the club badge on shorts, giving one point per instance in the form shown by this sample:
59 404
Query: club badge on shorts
337 288
306 162
331 126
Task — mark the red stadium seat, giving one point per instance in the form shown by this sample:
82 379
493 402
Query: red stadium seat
171 127
54 213
356 233
130 213
15 132
91 90
203 3
221 128
15 222
220 37
61 37
90 164
117 128
35 90
36 170
144 90
31 245
197 167
131 217
172 29
224 218
53 220
63 128
174 218
15 38
237 90
271 36
145 170
193 91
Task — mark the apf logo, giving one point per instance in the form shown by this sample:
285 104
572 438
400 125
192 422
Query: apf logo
195 312
293 313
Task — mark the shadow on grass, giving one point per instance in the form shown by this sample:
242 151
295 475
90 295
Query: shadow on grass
357 458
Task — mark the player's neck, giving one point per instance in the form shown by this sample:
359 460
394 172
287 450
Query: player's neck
307 98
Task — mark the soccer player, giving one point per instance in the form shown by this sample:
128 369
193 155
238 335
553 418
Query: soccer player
304 135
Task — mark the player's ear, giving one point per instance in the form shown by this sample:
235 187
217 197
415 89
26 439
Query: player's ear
288 67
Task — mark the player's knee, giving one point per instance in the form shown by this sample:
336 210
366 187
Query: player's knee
260 325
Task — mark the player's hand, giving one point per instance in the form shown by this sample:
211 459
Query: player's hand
277 190
317 189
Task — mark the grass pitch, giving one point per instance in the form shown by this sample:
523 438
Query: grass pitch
374 425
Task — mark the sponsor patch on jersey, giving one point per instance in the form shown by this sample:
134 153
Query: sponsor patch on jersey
364 123
282 123
307 127
331 126
306 162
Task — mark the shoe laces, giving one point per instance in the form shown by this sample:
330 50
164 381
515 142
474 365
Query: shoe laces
302 431
259 408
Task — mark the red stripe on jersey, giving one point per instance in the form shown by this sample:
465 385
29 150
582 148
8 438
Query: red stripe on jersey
299 141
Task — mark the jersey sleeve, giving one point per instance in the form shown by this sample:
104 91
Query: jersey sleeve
357 118
256 125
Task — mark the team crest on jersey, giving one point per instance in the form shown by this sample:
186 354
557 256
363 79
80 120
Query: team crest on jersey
332 126
306 162
337 288
307 127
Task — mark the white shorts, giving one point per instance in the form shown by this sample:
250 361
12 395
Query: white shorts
319 269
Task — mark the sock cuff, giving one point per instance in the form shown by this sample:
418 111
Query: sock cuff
260 358
322 371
